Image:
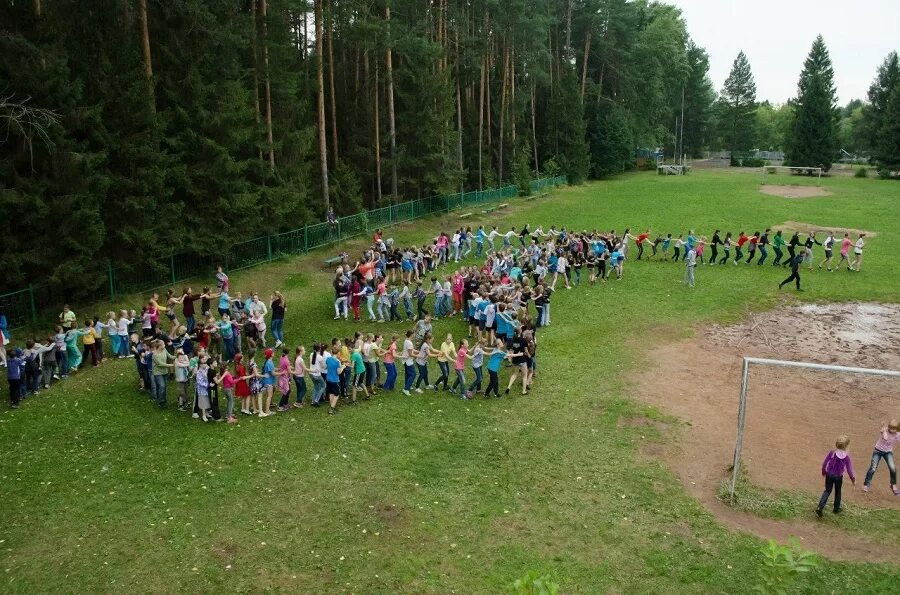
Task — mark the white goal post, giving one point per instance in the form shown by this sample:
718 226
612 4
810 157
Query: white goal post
768 170
742 406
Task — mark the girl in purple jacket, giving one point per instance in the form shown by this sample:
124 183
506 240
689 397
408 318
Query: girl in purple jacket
833 467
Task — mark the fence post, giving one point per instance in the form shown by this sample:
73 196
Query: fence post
172 266
306 239
339 228
448 203
33 308
112 285
269 247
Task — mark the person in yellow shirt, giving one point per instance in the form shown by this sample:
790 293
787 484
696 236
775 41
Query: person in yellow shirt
447 355
344 358
89 340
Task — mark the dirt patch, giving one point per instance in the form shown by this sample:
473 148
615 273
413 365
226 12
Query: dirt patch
793 417
794 191
808 227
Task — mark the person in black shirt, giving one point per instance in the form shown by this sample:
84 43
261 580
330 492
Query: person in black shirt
792 248
763 247
519 347
714 246
796 261
279 305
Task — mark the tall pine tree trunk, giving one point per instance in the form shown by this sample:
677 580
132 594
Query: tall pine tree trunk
584 67
256 112
392 128
481 120
145 45
334 127
270 143
37 8
320 75
503 109
377 135
459 121
537 167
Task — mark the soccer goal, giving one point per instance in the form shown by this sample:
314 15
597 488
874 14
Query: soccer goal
791 175
812 424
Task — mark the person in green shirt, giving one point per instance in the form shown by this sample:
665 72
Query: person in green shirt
359 373
162 363
67 318
777 244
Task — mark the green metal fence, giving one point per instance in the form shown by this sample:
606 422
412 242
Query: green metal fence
22 307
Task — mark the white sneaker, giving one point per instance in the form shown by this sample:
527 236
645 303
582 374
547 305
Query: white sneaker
419 390
196 416
406 392
261 414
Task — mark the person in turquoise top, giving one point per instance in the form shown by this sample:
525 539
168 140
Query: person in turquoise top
359 373
479 240
72 351
226 331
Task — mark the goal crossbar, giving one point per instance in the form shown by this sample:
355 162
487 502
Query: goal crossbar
742 407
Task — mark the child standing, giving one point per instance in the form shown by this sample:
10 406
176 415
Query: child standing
884 449
836 462
182 375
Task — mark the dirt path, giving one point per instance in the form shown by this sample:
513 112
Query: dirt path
793 417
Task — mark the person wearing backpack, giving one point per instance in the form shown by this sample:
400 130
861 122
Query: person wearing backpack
15 370
32 359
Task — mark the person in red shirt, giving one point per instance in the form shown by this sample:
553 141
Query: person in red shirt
738 252
754 240
639 241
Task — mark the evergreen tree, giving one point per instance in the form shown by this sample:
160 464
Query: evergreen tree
566 134
814 136
879 124
699 98
610 140
737 108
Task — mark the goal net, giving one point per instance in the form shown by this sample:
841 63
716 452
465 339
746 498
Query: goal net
789 416
783 175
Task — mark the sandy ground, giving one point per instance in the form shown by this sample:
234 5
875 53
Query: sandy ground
794 191
793 417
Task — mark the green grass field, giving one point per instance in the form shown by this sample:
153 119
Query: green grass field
103 492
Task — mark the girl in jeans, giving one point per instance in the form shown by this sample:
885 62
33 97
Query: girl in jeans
884 449
300 375
278 308
836 462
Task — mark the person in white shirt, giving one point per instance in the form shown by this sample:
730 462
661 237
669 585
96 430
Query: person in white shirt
858 252
490 238
691 264
454 241
408 355
561 269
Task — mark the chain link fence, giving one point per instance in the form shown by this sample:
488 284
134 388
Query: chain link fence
23 306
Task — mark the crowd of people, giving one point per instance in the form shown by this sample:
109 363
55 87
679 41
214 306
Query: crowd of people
504 298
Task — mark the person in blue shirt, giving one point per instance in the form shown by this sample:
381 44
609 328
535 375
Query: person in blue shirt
479 240
15 371
493 366
268 382
333 371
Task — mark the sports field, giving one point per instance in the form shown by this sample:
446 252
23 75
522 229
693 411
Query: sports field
103 492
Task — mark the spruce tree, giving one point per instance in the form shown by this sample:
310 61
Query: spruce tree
698 101
814 135
737 107
566 134
611 140
880 128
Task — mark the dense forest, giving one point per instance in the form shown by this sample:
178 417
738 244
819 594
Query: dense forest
138 128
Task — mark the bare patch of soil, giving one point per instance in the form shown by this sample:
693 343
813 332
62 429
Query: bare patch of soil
794 191
808 227
793 417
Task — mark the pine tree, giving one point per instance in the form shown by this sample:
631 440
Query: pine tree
737 107
698 101
880 128
566 130
814 134
610 140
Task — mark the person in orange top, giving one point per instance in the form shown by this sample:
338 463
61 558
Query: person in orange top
738 252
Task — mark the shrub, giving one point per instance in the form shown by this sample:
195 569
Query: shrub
861 172
753 162
534 584
782 566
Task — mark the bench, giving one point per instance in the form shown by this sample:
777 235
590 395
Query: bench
334 260
489 210
466 215
534 196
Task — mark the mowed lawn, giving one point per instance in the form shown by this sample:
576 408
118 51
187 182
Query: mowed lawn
103 492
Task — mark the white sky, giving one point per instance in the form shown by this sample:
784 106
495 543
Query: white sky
776 35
